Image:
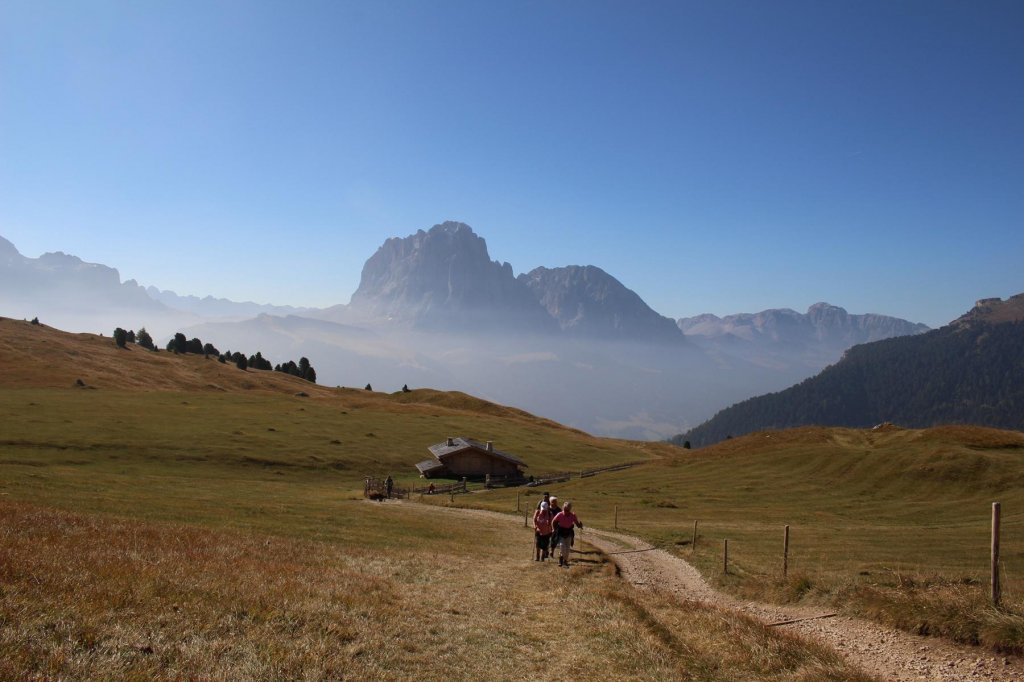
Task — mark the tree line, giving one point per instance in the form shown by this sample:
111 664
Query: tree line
179 344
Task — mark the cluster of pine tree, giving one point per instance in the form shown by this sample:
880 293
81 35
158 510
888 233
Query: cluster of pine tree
180 344
303 369
122 337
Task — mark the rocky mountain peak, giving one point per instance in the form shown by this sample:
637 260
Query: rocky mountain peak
441 277
586 300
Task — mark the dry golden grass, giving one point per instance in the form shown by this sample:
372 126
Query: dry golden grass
88 597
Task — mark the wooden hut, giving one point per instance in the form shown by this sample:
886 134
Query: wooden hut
465 457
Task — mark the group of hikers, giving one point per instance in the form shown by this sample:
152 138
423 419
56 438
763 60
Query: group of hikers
554 526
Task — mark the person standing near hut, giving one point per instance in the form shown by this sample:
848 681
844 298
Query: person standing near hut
389 484
563 524
542 531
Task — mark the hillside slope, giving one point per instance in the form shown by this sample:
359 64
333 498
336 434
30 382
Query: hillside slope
172 406
968 372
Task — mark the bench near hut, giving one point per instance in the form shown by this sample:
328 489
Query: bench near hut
465 457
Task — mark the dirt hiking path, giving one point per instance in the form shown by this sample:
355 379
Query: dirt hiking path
890 654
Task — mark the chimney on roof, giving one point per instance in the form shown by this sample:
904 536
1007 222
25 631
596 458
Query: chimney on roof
490 446
451 442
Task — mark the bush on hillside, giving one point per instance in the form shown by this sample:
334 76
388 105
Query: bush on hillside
120 337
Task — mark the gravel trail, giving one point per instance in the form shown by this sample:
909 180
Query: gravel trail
889 654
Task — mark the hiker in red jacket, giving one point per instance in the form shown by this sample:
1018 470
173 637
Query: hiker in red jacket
563 523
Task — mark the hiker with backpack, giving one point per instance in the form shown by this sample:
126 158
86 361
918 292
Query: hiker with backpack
564 523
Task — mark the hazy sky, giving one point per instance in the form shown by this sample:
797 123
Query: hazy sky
715 156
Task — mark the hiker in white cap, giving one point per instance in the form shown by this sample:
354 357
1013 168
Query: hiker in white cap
542 531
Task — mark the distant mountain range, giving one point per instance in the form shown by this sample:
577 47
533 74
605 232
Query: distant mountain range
785 337
208 306
433 309
970 371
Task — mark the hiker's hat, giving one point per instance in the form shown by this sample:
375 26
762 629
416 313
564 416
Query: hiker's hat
543 505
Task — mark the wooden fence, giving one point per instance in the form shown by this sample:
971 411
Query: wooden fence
448 489
376 489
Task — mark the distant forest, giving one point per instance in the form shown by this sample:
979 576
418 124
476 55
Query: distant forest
971 373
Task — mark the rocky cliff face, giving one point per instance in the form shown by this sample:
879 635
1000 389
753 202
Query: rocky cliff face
445 278
587 301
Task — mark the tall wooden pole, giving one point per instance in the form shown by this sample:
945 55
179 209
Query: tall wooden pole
517 501
785 551
995 554
693 543
725 558
616 517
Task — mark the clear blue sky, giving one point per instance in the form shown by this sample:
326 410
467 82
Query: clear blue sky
714 156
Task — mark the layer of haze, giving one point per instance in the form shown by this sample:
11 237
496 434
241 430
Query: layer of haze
715 157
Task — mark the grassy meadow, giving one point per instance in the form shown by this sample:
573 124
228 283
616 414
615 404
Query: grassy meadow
179 518
894 524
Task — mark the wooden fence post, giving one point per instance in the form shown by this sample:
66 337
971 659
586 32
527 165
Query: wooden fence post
693 543
785 551
525 516
517 501
725 558
995 553
616 517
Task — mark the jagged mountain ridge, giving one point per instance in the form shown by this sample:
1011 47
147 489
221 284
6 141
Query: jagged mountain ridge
784 337
208 306
587 301
68 290
969 371
821 322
